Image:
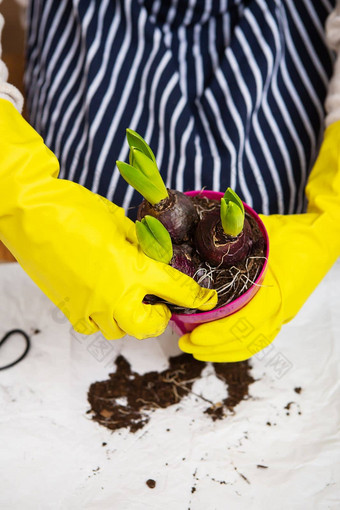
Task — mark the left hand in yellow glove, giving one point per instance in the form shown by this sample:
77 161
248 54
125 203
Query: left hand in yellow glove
303 247
78 247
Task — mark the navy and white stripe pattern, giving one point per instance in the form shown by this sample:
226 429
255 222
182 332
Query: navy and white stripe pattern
226 92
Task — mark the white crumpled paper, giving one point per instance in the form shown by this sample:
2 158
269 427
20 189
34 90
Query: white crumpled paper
53 455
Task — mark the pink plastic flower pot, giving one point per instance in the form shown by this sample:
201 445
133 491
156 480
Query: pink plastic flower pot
184 323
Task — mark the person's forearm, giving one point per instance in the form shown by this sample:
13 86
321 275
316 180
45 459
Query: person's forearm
12 94
8 91
332 103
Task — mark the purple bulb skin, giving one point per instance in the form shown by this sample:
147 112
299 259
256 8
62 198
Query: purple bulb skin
185 259
218 248
177 213
182 259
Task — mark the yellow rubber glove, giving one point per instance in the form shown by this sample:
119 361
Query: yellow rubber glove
78 247
303 248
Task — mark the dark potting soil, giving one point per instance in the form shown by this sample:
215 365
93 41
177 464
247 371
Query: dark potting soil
230 283
127 399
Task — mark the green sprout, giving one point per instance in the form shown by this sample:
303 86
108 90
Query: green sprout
154 239
232 213
142 173
135 140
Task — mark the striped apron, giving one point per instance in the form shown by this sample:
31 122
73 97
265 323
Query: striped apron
226 92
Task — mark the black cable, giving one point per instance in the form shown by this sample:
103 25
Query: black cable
28 345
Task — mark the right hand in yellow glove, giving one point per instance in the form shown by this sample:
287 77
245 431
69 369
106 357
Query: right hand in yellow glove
303 247
80 248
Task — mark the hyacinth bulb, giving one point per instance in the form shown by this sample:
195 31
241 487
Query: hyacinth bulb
223 237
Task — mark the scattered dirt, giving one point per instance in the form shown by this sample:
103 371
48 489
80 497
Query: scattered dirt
151 483
242 476
126 399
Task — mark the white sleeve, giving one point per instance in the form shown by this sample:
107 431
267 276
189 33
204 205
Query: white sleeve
332 103
8 91
22 3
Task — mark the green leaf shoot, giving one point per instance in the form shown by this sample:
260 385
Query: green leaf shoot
142 184
232 213
142 173
154 239
149 168
135 140
231 196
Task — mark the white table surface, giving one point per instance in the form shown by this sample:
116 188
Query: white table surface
51 451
